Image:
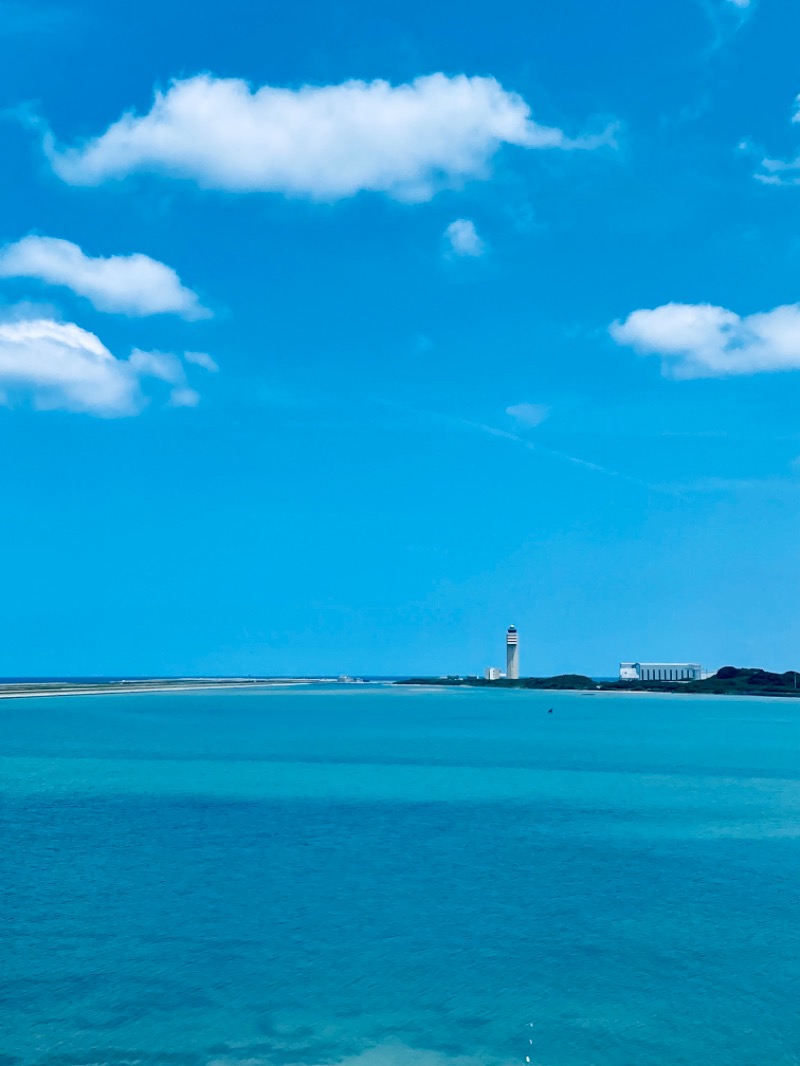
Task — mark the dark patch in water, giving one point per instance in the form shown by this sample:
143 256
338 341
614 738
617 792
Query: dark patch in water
310 1053
121 1057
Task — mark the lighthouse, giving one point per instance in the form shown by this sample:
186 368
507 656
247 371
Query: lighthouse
512 654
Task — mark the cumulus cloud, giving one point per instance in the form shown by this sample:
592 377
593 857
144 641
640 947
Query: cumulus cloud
128 284
528 414
322 142
462 238
59 366
703 341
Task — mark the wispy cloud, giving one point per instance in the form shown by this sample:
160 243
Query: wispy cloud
202 359
726 486
704 341
128 284
463 240
780 171
528 414
321 142
18 18
726 17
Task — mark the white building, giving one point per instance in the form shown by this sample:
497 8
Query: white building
493 673
512 653
661 672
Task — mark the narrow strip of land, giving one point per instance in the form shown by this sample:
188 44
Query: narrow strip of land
30 689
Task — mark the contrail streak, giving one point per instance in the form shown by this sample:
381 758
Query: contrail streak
531 446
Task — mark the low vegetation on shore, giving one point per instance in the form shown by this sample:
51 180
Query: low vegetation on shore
729 681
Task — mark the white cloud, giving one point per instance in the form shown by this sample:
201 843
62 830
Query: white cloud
323 142
528 414
463 238
184 397
782 171
703 341
59 366
202 359
130 284
168 368
162 365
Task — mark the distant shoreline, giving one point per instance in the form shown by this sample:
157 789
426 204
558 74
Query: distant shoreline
729 681
733 682
37 689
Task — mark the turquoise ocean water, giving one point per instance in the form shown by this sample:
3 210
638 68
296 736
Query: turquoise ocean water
388 877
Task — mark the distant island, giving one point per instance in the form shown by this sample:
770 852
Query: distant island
729 681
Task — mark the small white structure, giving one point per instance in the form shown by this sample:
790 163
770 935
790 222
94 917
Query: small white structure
512 654
661 672
493 673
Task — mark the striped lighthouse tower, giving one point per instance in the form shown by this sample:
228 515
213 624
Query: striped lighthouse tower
512 653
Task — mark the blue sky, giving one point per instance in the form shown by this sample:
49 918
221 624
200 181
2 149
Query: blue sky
335 338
